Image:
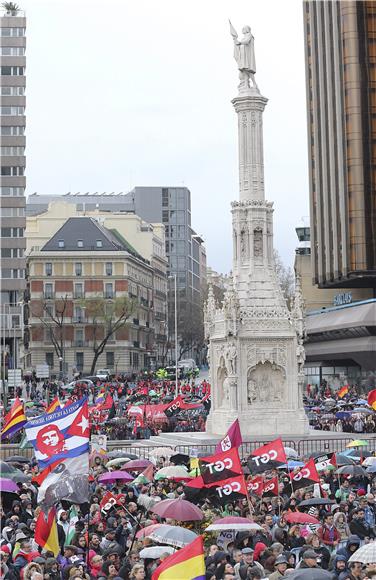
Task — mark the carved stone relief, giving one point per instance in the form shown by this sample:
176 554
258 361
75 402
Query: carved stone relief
265 383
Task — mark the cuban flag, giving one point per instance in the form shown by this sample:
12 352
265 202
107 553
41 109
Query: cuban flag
63 434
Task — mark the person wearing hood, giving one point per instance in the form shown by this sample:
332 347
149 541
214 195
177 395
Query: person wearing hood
352 545
339 565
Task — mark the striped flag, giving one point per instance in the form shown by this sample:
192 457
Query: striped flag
55 404
46 532
343 391
14 420
101 397
73 518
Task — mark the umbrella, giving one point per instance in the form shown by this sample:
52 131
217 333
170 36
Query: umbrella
179 458
361 402
316 501
138 464
10 472
366 554
310 574
155 552
358 443
354 470
117 461
178 509
161 452
344 460
173 535
144 532
172 472
7 485
290 452
114 476
369 461
232 523
363 411
17 459
300 518
291 465
371 468
342 414
147 501
328 416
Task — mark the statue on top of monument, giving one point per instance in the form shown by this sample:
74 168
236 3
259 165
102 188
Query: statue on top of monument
244 54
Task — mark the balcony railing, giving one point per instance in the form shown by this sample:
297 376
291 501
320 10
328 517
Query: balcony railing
136 322
80 343
78 319
48 295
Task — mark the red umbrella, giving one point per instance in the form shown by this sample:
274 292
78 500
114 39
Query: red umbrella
178 509
138 464
300 518
145 532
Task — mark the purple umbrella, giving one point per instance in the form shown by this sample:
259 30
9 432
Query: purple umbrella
8 485
112 476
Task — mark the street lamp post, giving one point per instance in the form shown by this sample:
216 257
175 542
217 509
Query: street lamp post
61 368
176 334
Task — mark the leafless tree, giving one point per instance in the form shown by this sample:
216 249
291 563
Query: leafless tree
286 278
53 317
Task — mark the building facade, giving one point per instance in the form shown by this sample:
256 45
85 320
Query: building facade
340 47
80 284
185 250
13 182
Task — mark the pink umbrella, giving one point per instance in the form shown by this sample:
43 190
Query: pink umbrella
138 464
7 485
233 523
114 476
145 532
178 509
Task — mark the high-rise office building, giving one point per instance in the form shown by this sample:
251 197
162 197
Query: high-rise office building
13 161
340 45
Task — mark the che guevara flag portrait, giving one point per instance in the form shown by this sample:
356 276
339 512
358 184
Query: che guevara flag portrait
220 466
269 456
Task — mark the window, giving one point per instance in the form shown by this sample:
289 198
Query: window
12 91
11 151
109 293
78 290
108 268
49 308
12 191
13 171
6 273
110 360
80 243
80 361
78 314
48 290
14 131
61 244
99 244
50 359
12 71
48 268
12 211
79 337
6 232
6 253
78 268
12 31
12 51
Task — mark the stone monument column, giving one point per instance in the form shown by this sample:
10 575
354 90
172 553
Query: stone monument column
256 350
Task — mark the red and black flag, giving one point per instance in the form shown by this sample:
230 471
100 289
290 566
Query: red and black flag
270 487
220 466
175 406
304 476
229 490
196 490
255 485
269 456
206 401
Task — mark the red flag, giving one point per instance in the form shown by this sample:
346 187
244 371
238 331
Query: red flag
107 403
220 466
46 532
107 503
372 399
233 438
267 457
138 423
230 489
175 406
270 487
255 485
343 391
143 391
305 476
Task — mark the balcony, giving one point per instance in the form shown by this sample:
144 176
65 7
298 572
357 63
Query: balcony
78 319
48 295
160 294
78 295
160 338
80 343
144 302
109 295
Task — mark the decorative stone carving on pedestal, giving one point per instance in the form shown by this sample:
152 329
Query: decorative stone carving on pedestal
255 346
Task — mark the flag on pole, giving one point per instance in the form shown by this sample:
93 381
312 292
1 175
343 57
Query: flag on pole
233 438
186 564
55 404
372 399
46 532
14 420
73 518
101 397
269 456
343 391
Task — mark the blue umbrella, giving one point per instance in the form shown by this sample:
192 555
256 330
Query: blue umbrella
342 414
371 468
291 465
363 411
361 402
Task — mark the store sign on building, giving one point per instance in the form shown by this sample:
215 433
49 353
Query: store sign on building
341 299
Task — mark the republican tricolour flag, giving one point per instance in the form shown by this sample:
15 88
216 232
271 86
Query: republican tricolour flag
343 391
186 564
14 420
54 405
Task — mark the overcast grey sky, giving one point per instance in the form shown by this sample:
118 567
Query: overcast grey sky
138 92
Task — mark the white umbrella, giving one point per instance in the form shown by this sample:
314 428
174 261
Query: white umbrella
366 554
172 471
161 452
147 501
291 453
117 461
369 461
232 523
155 552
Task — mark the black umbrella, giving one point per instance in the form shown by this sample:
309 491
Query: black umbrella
344 460
17 459
180 459
310 574
316 501
354 470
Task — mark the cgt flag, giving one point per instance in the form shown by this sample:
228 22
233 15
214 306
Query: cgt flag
220 466
255 485
269 456
229 490
175 406
270 487
233 438
305 476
